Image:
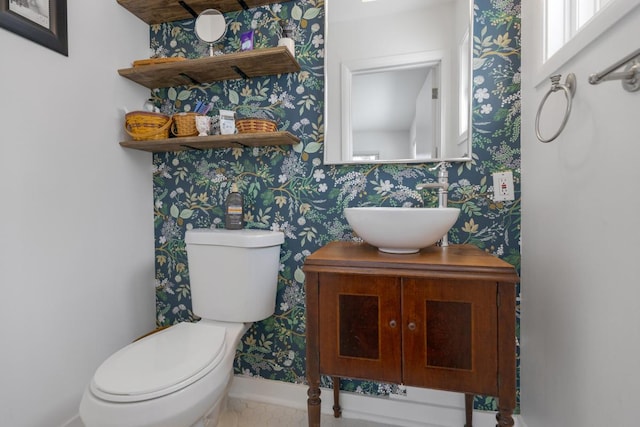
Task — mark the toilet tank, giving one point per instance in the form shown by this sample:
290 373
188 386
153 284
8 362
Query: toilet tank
233 273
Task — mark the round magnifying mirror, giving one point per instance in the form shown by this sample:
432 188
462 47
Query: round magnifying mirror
210 27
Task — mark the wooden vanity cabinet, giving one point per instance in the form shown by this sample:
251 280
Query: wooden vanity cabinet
443 318
360 322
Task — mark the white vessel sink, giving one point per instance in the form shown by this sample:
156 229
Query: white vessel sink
401 230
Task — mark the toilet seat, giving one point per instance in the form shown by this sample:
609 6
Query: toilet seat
161 363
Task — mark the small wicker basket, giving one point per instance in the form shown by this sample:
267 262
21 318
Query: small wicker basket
145 125
250 125
184 124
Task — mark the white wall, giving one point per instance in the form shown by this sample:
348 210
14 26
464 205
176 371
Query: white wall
580 287
388 144
76 213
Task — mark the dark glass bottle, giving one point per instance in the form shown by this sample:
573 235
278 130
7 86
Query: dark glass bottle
234 210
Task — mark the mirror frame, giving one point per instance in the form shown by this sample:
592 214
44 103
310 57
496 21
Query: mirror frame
213 23
336 148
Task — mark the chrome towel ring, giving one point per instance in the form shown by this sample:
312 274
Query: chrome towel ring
569 89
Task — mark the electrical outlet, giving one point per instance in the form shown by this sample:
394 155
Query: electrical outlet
503 186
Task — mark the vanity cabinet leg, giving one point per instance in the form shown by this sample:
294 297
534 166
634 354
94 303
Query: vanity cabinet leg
468 409
504 418
313 405
337 410
506 354
313 356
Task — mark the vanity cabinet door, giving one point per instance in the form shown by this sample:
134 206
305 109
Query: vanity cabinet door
450 334
359 326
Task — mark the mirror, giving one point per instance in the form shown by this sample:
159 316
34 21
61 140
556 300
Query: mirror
398 81
210 27
393 111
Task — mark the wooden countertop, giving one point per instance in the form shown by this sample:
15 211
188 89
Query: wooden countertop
459 260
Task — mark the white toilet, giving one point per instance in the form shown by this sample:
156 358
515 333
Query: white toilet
179 377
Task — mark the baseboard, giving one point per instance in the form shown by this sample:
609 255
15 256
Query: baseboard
420 408
74 422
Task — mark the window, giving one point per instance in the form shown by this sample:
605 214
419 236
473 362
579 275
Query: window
564 18
566 27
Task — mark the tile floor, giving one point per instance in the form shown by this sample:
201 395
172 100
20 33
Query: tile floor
242 413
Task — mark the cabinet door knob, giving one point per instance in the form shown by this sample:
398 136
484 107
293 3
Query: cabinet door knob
393 323
412 326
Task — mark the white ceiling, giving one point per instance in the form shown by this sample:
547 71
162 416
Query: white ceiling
345 10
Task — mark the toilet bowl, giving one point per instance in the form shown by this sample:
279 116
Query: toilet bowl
179 376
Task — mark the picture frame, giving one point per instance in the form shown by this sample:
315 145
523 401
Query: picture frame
41 21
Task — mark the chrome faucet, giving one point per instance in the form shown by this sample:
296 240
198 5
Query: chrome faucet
442 185
443 191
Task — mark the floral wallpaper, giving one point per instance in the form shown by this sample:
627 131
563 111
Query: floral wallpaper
290 189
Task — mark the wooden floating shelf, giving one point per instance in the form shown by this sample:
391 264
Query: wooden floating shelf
159 11
213 141
247 64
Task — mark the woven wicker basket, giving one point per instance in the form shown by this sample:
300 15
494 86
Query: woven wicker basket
144 125
184 124
249 125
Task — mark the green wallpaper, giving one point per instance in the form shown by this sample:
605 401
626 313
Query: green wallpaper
290 189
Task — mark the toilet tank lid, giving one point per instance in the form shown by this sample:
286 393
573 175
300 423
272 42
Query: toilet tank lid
245 238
